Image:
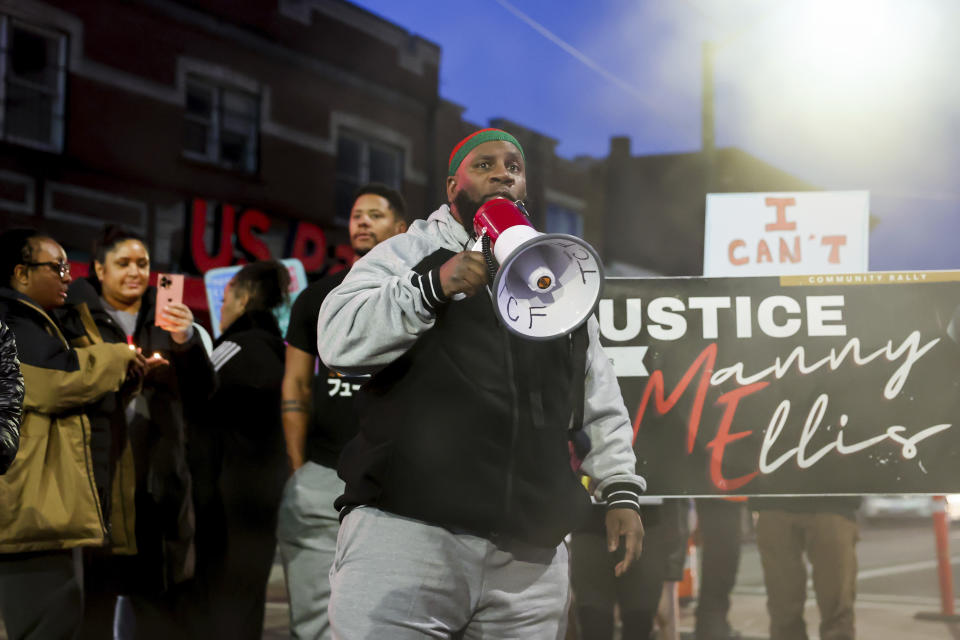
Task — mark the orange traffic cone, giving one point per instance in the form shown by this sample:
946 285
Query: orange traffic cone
687 588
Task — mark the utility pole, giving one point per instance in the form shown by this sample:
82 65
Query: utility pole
707 125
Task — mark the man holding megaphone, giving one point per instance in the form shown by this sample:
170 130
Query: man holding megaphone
459 486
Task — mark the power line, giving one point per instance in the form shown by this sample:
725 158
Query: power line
639 95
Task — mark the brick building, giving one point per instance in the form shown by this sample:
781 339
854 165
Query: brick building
221 131
226 131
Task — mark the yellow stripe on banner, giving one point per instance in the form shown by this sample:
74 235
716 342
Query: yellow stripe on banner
879 277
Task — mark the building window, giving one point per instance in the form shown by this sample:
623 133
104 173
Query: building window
222 125
33 76
361 160
563 220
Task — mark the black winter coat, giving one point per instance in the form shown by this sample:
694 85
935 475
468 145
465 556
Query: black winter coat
11 398
173 396
470 429
239 468
238 453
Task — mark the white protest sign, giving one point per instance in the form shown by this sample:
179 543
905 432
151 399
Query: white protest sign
765 234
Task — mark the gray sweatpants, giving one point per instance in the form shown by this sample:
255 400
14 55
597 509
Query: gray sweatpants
307 538
399 578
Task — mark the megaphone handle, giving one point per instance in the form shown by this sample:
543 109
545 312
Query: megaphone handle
477 246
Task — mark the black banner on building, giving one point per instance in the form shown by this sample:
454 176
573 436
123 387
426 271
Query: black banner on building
788 386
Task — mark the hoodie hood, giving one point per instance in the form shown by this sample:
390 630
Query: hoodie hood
452 233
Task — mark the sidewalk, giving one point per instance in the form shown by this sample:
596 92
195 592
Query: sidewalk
878 618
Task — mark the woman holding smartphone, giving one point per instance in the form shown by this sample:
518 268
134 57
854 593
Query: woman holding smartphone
150 430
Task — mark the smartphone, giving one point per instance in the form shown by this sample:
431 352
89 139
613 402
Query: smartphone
169 291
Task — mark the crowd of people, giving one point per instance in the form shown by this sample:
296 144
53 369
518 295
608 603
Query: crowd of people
422 471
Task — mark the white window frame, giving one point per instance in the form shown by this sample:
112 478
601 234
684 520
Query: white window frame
214 124
59 114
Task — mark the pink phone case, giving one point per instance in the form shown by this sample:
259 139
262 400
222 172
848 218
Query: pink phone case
169 291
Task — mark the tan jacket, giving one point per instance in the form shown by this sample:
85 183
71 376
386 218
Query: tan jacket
48 499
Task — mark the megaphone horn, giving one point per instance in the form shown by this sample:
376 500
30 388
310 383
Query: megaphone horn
548 284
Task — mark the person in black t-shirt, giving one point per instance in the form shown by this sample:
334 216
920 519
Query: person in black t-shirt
318 420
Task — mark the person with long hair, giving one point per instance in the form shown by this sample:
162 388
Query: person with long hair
148 441
242 465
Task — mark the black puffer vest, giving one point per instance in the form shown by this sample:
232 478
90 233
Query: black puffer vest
469 429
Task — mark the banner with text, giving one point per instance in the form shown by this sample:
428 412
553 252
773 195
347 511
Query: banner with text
826 384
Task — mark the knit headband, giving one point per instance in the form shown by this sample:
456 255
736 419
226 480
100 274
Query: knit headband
476 138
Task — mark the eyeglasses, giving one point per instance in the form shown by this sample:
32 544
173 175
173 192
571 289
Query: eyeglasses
60 268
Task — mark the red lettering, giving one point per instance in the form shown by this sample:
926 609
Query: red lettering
785 250
251 220
834 242
781 224
345 256
655 388
310 246
763 252
730 400
202 260
736 244
232 230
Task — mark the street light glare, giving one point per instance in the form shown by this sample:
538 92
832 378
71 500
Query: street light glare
849 88
859 45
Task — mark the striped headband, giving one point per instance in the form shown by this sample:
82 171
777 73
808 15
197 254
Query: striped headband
476 138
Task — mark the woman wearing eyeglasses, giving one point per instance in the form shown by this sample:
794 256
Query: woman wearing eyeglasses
152 431
51 502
